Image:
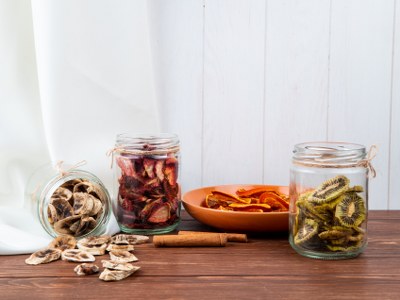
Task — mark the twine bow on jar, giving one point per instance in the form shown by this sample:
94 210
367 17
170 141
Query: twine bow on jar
62 172
366 162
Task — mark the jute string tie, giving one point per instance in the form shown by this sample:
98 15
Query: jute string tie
62 172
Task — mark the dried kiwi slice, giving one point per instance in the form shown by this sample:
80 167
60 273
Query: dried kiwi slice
356 188
350 211
330 189
306 232
334 234
343 248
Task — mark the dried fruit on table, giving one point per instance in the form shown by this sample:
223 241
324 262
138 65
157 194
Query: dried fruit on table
63 242
75 207
86 269
77 255
122 256
43 256
337 211
129 239
93 249
118 266
115 275
113 247
262 199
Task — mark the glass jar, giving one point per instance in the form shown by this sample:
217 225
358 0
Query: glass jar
67 200
328 208
147 191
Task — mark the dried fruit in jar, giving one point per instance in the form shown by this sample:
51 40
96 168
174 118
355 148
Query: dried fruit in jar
337 211
148 192
76 207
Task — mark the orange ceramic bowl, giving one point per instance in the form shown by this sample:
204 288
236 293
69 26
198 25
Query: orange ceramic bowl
235 221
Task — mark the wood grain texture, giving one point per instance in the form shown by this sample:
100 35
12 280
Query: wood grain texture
360 82
264 267
296 82
177 52
394 159
234 35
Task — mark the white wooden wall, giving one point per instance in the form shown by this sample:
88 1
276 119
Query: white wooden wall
242 81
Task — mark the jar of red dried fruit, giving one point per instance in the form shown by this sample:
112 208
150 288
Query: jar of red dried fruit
147 192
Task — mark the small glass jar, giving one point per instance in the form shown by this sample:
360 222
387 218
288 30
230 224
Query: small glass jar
67 200
328 208
147 191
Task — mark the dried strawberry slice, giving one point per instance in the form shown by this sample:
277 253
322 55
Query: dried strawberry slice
146 211
171 170
159 166
171 192
160 214
127 205
148 165
126 166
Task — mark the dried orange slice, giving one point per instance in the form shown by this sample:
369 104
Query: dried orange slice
263 207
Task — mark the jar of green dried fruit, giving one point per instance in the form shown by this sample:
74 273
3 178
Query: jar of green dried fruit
68 200
146 190
328 209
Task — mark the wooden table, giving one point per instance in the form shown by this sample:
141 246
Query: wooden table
264 268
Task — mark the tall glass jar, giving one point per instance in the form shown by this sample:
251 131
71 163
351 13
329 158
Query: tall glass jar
147 190
328 209
67 200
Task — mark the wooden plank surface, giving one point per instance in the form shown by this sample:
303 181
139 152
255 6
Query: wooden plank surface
264 267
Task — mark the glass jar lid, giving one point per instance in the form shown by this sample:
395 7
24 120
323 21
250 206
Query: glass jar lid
328 154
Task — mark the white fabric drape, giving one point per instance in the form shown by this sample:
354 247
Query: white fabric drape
73 75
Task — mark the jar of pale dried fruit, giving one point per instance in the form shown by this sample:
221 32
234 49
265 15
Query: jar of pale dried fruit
68 200
329 199
147 193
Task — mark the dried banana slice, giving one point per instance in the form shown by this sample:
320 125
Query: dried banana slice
113 247
95 240
129 239
122 256
86 269
77 255
63 242
83 187
87 224
52 214
83 203
62 193
115 275
118 266
97 206
71 183
43 256
63 208
94 250
63 226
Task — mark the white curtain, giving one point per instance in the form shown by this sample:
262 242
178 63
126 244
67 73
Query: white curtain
73 74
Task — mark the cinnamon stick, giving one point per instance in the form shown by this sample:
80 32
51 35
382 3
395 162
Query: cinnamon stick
203 240
231 237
